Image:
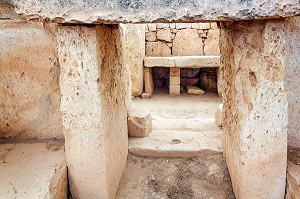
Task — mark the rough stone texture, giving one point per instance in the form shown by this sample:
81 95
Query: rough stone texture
204 26
93 84
174 89
29 90
90 11
148 81
219 115
293 181
194 90
179 26
255 107
157 49
211 44
292 74
33 171
151 36
187 42
183 61
133 50
7 11
151 26
139 123
164 35
181 126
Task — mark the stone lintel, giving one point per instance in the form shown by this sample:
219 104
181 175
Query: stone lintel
115 11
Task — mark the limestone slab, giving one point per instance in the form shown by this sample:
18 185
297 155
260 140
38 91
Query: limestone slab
150 36
133 49
187 42
164 35
33 170
212 43
291 82
183 61
293 181
93 83
90 11
171 143
148 81
29 88
255 107
157 49
174 89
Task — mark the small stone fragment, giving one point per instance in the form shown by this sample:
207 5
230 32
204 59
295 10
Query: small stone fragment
139 123
194 90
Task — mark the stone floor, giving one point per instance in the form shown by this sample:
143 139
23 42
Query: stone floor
182 126
33 170
204 177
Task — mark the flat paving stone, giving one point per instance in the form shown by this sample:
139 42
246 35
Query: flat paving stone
33 170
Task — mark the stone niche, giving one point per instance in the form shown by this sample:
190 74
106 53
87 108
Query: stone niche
184 39
29 89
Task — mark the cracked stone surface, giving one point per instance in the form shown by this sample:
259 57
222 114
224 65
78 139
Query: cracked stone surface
89 11
33 170
204 177
182 126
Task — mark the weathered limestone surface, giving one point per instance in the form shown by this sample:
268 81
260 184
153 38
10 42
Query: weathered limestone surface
139 123
293 181
133 50
219 115
292 38
255 107
33 171
211 44
194 90
157 49
187 42
183 61
93 84
148 81
89 11
29 89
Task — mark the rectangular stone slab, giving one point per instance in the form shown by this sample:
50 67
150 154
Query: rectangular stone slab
183 61
116 11
93 83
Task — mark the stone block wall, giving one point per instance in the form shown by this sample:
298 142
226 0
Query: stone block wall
184 39
29 72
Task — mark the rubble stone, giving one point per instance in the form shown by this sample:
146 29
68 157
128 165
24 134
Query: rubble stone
187 42
139 123
151 36
212 46
194 90
157 49
164 35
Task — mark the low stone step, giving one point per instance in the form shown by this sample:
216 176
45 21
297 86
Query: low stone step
171 143
33 170
191 124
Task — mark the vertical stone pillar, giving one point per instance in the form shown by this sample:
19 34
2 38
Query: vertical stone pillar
174 84
292 39
255 107
93 85
133 50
